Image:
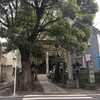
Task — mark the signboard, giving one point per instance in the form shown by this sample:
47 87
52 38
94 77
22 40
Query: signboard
88 57
98 57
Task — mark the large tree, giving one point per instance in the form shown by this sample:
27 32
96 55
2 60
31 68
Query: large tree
24 21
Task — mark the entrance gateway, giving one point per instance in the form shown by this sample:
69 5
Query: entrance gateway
50 49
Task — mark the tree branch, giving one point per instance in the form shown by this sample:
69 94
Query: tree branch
3 23
50 4
16 7
43 3
7 20
11 13
36 3
50 22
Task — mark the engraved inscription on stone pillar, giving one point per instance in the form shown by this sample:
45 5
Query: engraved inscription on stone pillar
91 72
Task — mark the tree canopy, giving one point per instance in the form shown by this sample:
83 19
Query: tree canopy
69 20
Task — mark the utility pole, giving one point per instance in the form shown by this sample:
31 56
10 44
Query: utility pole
14 59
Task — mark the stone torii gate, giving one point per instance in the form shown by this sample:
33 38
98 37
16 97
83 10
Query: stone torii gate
47 50
70 75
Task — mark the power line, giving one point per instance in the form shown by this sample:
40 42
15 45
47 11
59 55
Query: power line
97 24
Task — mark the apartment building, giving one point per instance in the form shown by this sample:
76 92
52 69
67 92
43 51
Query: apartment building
7 65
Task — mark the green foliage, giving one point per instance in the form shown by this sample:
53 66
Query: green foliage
22 29
87 29
70 10
27 21
88 6
37 50
54 59
68 42
2 31
60 27
5 2
88 19
79 34
71 36
9 46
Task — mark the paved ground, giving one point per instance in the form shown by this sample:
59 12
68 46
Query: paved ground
42 77
50 87
56 88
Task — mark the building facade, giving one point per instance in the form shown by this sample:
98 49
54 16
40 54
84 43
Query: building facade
7 65
93 50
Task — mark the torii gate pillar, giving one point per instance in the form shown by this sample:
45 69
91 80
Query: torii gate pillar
70 73
47 63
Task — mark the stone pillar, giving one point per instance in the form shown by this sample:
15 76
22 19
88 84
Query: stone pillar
47 63
70 73
91 77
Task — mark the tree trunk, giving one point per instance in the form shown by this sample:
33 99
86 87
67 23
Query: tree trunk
26 80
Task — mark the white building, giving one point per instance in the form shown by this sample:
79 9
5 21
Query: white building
7 65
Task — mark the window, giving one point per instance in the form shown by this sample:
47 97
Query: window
81 60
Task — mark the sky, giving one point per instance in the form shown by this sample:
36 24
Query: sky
97 18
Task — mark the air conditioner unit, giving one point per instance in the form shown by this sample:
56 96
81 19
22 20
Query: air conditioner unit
88 43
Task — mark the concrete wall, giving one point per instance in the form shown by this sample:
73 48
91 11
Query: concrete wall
10 57
8 70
